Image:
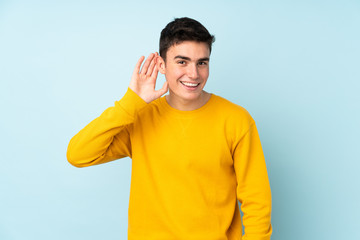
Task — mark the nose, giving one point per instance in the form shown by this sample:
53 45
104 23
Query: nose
193 72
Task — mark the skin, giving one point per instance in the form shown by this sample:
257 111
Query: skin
186 63
143 79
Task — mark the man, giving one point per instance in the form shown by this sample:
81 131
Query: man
194 154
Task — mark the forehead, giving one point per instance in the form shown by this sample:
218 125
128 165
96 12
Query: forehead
191 49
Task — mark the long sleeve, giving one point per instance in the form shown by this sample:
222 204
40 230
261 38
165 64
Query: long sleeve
253 188
107 137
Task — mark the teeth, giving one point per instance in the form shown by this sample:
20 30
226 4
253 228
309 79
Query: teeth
190 84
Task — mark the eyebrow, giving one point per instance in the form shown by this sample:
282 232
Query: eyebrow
189 59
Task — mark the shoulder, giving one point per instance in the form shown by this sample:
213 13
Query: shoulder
232 111
236 120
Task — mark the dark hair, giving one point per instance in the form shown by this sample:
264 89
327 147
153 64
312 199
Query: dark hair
183 29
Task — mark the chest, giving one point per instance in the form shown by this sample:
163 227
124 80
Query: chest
183 144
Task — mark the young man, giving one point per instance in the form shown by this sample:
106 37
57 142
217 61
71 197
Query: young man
194 154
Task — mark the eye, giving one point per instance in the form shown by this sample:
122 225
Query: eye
202 63
181 62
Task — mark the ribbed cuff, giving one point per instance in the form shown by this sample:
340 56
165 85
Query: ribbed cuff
131 102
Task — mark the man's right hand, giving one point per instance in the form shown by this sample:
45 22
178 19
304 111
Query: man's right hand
143 81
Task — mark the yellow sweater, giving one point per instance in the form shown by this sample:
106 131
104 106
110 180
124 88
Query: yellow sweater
189 168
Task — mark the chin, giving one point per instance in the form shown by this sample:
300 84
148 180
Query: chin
190 96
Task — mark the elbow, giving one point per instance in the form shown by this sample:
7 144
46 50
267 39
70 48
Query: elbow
78 159
74 158
74 163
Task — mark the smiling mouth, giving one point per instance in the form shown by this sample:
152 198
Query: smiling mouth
188 84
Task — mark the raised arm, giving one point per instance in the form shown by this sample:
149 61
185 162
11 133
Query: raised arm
107 137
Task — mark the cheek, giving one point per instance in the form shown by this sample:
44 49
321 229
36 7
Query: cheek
204 75
173 75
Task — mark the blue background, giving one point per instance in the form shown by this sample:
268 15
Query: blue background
294 65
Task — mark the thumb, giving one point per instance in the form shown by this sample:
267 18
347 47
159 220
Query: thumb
163 90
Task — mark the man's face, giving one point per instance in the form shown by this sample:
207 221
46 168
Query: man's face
186 70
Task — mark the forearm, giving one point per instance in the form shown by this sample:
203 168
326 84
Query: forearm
256 208
253 189
106 138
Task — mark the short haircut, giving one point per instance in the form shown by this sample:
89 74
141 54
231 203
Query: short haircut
183 29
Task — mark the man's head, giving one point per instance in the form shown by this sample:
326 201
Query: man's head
181 30
185 47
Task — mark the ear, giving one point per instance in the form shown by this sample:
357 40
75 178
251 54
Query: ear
161 64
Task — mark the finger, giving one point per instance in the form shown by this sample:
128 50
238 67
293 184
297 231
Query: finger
138 65
145 67
151 67
163 90
155 72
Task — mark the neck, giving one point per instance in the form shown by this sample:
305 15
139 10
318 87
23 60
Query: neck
187 105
